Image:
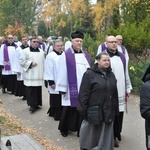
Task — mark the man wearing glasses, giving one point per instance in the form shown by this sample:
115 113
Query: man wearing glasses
122 48
119 66
7 53
32 61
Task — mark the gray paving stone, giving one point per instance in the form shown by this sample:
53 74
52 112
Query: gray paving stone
23 142
2 146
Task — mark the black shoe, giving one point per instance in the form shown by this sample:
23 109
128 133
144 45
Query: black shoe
24 98
116 144
32 109
83 149
3 90
64 134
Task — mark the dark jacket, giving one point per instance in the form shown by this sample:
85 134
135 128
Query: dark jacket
98 88
145 106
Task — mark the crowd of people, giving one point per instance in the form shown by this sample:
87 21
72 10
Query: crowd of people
83 97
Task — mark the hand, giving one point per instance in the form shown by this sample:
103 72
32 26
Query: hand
53 86
64 95
34 64
127 95
18 73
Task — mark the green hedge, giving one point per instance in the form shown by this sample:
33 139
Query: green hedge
136 70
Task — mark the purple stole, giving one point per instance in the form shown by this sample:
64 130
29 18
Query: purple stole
6 58
123 59
103 46
43 45
123 49
72 77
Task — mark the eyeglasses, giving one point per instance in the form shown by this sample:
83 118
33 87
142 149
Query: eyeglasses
35 41
10 37
112 42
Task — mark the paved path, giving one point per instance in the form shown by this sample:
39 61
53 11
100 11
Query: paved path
22 142
133 136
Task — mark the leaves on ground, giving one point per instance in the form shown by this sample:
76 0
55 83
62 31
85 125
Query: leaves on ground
10 125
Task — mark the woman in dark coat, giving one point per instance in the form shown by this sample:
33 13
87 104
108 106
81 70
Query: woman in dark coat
98 88
145 106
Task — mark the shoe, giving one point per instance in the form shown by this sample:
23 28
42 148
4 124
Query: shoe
83 149
3 90
24 98
37 107
32 109
116 144
64 134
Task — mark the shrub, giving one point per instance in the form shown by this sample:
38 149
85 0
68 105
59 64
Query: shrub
90 45
136 71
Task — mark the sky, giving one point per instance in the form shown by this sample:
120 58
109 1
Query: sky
93 1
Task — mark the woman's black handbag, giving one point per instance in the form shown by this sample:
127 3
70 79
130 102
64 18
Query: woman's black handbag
94 115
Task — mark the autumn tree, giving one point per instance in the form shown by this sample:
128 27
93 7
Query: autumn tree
17 29
26 12
11 11
103 12
68 15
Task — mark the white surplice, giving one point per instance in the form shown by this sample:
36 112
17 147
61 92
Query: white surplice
62 79
123 80
11 54
51 66
18 67
32 76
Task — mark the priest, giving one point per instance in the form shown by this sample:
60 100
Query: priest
71 67
20 88
7 53
32 61
50 75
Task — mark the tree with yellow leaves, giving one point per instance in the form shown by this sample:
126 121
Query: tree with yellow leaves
102 13
17 29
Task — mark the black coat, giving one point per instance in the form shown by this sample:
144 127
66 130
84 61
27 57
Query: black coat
98 88
145 106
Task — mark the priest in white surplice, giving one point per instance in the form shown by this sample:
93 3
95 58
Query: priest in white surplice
32 61
119 66
72 65
7 56
20 88
50 74
121 48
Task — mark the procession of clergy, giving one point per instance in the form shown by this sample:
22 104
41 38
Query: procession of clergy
26 65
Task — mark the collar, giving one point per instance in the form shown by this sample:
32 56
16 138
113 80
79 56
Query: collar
23 46
34 49
111 54
12 44
77 52
58 53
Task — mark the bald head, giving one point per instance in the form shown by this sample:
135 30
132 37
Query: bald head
111 43
40 38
